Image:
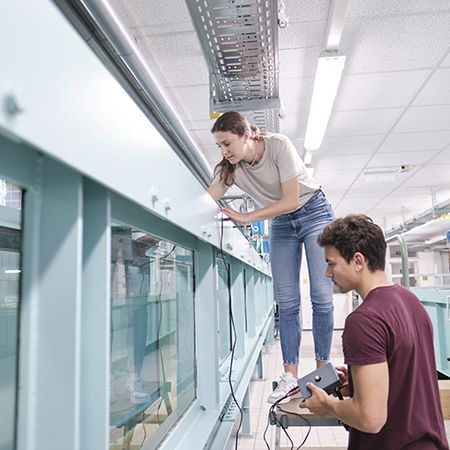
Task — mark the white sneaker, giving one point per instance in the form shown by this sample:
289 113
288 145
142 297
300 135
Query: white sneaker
136 389
286 384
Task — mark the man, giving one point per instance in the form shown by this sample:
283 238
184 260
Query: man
392 396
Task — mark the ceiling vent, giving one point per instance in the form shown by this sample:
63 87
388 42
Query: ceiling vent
239 39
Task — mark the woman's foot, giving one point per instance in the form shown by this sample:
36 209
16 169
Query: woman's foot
286 390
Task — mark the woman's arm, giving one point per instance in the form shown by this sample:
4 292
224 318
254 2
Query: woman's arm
217 191
287 203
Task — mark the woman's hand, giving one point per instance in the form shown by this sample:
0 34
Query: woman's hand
236 216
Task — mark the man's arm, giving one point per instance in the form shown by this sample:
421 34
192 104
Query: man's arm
367 409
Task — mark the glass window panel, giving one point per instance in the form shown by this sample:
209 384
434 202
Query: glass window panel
152 337
223 284
245 299
10 276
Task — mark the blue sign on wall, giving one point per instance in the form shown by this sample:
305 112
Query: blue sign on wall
448 235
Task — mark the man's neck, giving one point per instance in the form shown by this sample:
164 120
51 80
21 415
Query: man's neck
373 280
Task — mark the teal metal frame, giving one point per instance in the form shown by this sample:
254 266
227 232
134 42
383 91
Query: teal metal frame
64 356
437 303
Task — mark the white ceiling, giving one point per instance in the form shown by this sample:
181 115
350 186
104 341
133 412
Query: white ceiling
392 107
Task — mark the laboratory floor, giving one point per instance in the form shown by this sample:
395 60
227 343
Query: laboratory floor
333 438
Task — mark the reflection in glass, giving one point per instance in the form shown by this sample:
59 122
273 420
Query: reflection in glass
224 315
244 272
152 337
10 273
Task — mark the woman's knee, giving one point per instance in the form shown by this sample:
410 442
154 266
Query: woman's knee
289 307
321 307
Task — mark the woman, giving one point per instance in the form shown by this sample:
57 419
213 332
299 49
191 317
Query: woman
269 169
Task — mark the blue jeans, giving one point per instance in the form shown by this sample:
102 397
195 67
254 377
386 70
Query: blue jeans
289 232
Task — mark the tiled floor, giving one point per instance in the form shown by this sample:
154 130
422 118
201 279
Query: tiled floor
333 438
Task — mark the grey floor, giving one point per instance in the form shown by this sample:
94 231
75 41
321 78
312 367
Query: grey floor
320 437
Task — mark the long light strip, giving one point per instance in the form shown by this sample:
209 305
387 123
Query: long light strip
326 83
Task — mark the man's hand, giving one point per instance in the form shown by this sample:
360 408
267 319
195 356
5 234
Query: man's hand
342 372
236 216
318 403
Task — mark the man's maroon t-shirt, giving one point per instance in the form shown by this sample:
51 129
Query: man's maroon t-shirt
391 325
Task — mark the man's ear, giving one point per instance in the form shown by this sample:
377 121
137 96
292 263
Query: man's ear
359 261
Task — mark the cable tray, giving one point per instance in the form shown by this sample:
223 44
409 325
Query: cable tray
239 39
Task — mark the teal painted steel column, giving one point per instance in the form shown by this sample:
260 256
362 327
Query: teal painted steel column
206 326
246 424
95 318
404 256
259 364
251 309
52 299
237 295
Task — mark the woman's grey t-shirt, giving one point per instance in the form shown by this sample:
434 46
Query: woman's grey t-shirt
279 163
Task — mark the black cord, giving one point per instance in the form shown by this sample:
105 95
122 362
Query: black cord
272 415
233 334
161 258
303 418
163 370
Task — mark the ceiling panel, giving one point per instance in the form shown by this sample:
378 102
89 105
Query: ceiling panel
426 118
437 90
401 158
151 17
378 90
339 175
444 158
446 61
185 66
296 95
300 62
302 35
401 142
395 7
294 125
357 123
193 101
307 11
337 184
382 188
350 144
399 42
339 162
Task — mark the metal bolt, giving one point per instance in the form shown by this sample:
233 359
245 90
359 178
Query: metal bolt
11 105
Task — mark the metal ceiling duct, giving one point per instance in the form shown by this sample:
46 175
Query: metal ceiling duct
239 39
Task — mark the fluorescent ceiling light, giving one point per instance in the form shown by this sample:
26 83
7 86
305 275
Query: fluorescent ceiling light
310 171
326 82
335 24
308 158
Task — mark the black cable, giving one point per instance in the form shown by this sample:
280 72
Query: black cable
159 302
233 334
272 415
163 370
303 418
